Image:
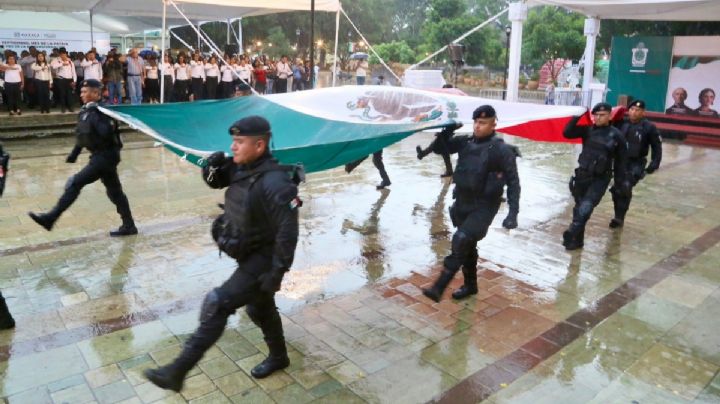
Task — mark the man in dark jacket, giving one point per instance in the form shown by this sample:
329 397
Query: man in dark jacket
604 152
259 229
641 136
98 133
485 165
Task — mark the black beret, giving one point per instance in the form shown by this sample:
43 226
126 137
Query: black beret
92 83
250 126
637 103
484 111
602 107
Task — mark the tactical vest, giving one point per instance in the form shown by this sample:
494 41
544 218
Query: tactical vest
242 197
636 137
598 151
473 177
87 136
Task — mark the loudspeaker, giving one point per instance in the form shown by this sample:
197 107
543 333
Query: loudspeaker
231 48
456 51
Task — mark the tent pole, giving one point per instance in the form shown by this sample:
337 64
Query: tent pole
240 38
592 28
198 44
517 14
227 34
92 39
312 42
337 29
162 55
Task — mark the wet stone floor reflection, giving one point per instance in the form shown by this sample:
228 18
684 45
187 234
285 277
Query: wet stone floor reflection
632 318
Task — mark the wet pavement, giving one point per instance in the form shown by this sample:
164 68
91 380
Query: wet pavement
632 318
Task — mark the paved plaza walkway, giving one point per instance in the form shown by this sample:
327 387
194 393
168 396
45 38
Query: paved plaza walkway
631 318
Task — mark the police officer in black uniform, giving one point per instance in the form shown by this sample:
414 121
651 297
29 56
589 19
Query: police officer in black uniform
604 150
377 159
6 320
439 146
99 134
259 229
485 165
641 135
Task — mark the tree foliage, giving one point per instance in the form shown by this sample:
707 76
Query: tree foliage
551 33
395 51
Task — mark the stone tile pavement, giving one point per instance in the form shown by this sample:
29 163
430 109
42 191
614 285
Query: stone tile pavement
631 318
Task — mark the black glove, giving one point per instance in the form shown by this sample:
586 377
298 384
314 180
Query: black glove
71 158
510 221
651 169
270 281
216 159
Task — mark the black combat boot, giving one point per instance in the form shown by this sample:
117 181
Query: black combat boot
46 220
470 285
448 166
616 222
276 360
127 229
574 236
437 289
6 320
172 376
422 153
383 184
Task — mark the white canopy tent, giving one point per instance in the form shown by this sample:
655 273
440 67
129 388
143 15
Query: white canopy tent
195 9
596 10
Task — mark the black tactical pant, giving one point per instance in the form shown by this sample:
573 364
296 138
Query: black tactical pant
472 221
378 162
102 166
588 191
241 289
621 203
63 93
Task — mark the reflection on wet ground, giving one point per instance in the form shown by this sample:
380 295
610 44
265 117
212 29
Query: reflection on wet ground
631 318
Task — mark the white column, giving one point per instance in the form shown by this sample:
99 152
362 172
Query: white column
162 54
240 38
517 15
592 28
227 34
337 30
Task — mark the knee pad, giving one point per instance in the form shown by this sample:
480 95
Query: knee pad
462 243
210 305
584 210
70 183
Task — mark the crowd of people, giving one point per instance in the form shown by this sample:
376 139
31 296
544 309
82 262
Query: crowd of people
37 79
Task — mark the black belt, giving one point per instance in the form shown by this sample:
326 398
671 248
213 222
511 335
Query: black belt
134 75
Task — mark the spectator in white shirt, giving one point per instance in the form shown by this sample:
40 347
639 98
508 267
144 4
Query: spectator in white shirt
283 72
152 80
197 77
182 79
168 73
14 80
43 81
212 71
92 69
65 78
228 77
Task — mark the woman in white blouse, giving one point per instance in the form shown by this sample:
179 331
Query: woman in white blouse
43 81
197 77
152 80
14 82
212 71
182 79
228 77
168 73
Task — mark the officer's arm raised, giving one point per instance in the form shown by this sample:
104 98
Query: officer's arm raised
573 131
